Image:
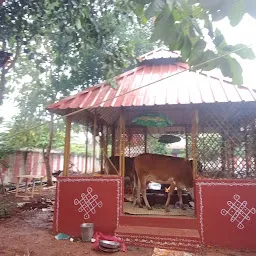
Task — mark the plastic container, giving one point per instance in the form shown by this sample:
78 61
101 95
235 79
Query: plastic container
87 231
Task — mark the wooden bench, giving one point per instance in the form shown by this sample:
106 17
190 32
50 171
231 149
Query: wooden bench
2 175
29 177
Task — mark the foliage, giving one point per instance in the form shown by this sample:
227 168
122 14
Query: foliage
80 149
5 149
156 147
188 26
99 31
66 30
28 139
91 66
20 21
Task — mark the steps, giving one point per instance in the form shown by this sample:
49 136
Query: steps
182 222
165 238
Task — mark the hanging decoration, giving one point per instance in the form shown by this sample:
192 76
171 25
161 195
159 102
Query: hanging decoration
169 138
152 120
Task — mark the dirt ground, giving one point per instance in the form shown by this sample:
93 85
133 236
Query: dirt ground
26 231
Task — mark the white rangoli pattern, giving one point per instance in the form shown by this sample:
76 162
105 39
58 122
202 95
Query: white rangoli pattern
88 203
238 211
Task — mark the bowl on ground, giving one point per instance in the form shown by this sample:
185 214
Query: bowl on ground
109 244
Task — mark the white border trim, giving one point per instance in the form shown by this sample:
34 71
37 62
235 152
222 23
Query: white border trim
228 184
160 241
200 185
118 182
57 206
201 213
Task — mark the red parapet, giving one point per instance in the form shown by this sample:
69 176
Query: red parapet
87 200
226 212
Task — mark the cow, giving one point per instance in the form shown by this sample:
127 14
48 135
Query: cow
112 168
176 171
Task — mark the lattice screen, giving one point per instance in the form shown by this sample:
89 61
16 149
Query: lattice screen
135 142
226 140
176 149
225 143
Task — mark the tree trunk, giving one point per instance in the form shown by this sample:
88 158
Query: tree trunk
2 85
5 70
47 154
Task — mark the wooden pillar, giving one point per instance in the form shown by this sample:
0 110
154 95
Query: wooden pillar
129 141
145 139
194 146
94 142
102 148
186 134
122 145
106 141
86 147
67 147
113 140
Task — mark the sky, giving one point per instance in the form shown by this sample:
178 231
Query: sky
243 33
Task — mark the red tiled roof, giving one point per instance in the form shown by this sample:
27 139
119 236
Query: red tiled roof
160 53
185 88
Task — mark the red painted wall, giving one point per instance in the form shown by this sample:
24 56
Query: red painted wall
87 199
226 212
35 164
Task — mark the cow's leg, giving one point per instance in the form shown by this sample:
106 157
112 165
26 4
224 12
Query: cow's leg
136 190
170 191
133 186
191 191
180 199
144 194
138 199
134 198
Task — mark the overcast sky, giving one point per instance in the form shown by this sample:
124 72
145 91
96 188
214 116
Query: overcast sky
243 33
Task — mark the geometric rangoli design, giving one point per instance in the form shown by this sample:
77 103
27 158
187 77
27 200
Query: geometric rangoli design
88 203
238 211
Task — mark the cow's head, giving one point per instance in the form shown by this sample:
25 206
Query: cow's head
199 166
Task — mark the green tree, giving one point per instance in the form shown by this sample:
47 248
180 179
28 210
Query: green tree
83 25
156 147
187 26
56 69
79 25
